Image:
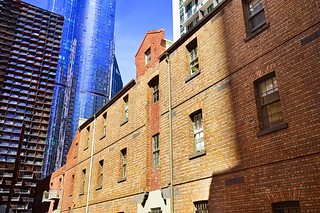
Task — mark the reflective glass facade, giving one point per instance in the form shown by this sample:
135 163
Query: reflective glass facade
84 76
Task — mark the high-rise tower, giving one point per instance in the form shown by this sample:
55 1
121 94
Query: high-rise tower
29 50
187 13
88 74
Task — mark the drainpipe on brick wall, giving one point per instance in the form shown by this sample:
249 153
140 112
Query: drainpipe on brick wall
91 162
170 134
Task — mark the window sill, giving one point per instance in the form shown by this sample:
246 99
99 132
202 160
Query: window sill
102 137
273 129
122 180
98 188
256 32
156 167
192 76
124 122
197 154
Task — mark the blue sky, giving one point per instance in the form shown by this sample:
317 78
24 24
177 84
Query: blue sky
133 20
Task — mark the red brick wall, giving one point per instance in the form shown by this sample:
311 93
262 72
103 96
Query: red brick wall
281 164
154 40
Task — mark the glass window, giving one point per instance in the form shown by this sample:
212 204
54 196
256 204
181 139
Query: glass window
126 107
271 112
123 163
100 180
83 181
198 136
104 124
148 55
256 14
155 92
155 151
193 53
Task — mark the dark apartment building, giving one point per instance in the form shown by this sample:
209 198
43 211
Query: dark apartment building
225 120
29 49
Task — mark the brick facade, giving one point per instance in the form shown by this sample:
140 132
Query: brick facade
243 167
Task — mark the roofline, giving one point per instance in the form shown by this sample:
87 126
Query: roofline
194 29
108 104
145 36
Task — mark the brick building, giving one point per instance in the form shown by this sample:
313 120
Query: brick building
245 120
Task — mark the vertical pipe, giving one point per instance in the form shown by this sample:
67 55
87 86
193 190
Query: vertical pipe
170 135
91 162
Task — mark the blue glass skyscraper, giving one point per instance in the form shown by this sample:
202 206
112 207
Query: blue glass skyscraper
88 74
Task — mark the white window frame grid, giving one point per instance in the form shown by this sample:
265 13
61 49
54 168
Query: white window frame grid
100 183
104 124
269 95
123 163
255 8
194 64
155 94
198 133
155 151
148 56
126 108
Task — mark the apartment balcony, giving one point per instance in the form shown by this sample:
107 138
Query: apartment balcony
199 11
54 194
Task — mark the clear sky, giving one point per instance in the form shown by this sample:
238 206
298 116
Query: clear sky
133 20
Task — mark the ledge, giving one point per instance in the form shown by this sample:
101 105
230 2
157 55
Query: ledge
273 129
85 148
192 76
124 122
259 30
81 194
122 180
98 188
197 154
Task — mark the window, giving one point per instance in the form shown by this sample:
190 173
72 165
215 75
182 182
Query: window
155 92
201 206
86 145
155 151
71 186
148 55
123 163
76 151
255 14
193 53
198 131
100 174
126 108
269 106
83 181
154 85
104 124
286 207
156 210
